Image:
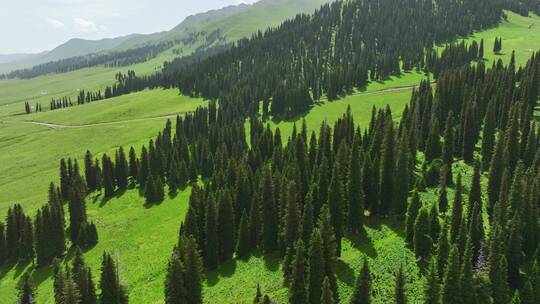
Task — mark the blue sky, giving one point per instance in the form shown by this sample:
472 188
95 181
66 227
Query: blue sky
38 25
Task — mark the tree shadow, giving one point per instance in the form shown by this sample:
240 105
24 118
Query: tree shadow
272 261
362 243
19 268
39 275
345 273
226 269
5 269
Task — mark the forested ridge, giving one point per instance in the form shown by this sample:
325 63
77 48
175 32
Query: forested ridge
300 195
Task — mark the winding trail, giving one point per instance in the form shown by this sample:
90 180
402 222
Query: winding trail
108 123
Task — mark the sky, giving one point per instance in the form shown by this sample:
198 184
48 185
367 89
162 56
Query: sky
31 26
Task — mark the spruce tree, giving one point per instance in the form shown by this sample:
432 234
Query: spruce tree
26 291
412 212
316 267
291 219
175 290
225 228
399 291
121 169
448 147
307 219
497 268
211 236
402 177
362 291
355 193
243 242
112 292
432 287
329 248
194 270
433 142
451 287
297 293
336 204
421 239
327 296
468 292
268 213
387 168
457 211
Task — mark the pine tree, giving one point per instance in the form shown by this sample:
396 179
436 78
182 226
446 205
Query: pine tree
457 211
327 296
77 213
211 236
362 291
412 213
448 147
291 220
133 164
432 287
316 267
226 229
121 169
451 287
307 219
469 133
112 292
335 204
468 292
443 249
26 291
400 296
422 240
355 193
243 242
387 168
488 134
269 214
329 248
496 171
297 293
108 176
82 277
194 270
433 142
402 177
175 292
514 252
70 292
497 268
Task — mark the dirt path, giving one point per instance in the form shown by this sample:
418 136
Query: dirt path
62 126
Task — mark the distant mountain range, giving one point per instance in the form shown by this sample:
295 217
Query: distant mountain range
234 22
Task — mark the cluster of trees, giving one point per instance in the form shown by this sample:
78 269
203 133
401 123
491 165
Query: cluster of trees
44 238
453 56
497 45
28 108
340 47
108 59
75 284
523 7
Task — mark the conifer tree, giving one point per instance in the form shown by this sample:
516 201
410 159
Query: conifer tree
26 291
355 193
488 134
422 240
448 147
316 267
243 242
327 296
211 236
443 249
329 248
77 213
387 168
133 164
112 291
121 169
457 211
3 248
402 177
336 204
175 292
362 291
291 217
307 219
432 287
412 212
297 293
468 292
514 252
433 142
451 287
400 294
497 268
226 229
193 267
269 214
495 175
469 133
108 176
70 292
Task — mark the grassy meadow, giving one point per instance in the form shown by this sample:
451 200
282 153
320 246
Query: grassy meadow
142 238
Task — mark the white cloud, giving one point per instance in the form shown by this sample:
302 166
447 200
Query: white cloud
55 23
85 26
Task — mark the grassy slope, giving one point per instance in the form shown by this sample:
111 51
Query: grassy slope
136 233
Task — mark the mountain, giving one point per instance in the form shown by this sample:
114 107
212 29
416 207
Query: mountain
231 22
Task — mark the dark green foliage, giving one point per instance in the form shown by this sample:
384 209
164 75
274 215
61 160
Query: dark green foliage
451 287
497 268
211 237
77 213
336 205
468 292
315 274
448 147
133 165
121 169
291 217
3 245
307 219
49 234
175 292
226 227
422 239
399 291
433 143
112 291
19 235
329 248
297 291
108 176
432 287
514 252
269 216
362 291
412 212
243 242
327 296
457 211
82 277
26 291
355 193
387 165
